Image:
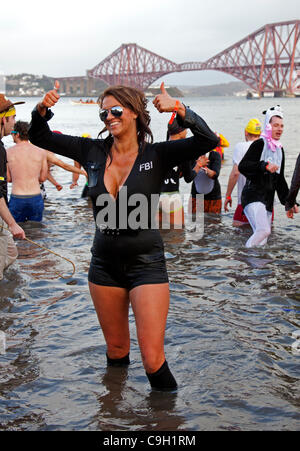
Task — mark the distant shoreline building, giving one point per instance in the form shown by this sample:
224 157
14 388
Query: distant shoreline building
84 86
29 85
2 83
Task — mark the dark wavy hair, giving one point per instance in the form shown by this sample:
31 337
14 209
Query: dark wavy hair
22 128
134 100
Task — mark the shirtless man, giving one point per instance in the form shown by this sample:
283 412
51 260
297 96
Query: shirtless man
26 168
26 179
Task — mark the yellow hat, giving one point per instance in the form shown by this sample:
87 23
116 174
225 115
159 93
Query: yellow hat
254 127
86 135
10 112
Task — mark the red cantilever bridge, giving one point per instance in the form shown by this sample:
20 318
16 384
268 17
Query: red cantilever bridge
266 61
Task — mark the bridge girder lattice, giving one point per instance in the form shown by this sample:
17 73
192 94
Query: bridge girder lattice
266 60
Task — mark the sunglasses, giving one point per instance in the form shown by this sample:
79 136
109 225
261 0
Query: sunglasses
13 132
116 111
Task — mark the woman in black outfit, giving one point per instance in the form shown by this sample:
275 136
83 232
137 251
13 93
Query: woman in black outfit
128 264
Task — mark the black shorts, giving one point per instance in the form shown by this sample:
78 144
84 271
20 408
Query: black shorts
142 269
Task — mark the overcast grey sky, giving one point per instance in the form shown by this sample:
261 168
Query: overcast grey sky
64 38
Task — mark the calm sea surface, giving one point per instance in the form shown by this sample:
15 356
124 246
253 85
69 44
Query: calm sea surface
231 337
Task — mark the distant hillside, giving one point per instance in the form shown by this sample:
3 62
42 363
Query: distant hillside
28 84
37 85
172 90
224 89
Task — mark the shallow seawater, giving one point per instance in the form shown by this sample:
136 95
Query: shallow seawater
231 337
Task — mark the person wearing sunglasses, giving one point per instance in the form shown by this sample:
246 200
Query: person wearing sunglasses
125 174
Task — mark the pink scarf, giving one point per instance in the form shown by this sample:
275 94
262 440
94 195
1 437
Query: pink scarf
273 144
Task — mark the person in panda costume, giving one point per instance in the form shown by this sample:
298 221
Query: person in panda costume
263 167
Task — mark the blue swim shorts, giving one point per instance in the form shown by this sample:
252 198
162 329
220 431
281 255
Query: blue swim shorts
26 208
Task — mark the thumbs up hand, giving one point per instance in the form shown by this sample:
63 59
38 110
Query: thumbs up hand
56 85
163 102
162 88
51 97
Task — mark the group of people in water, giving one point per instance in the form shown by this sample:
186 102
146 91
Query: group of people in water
128 266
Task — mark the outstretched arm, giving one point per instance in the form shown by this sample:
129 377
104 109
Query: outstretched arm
233 178
187 171
75 176
5 214
295 185
52 158
251 165
290 213
8 175
73 147
44 170
49 100
177 151
282 188
164 103
53 181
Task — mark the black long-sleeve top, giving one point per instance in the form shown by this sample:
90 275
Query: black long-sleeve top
171 180
215 163
3 162
261 185
149 169
295 185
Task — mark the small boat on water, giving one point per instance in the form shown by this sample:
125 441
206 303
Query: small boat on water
252 95
84 102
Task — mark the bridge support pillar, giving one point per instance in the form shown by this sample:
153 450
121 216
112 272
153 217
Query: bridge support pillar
278 93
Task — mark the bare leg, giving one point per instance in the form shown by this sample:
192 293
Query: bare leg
150 304
112 306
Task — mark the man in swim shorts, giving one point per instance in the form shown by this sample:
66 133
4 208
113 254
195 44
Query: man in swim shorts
252 133
8 249
25 206
27 168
